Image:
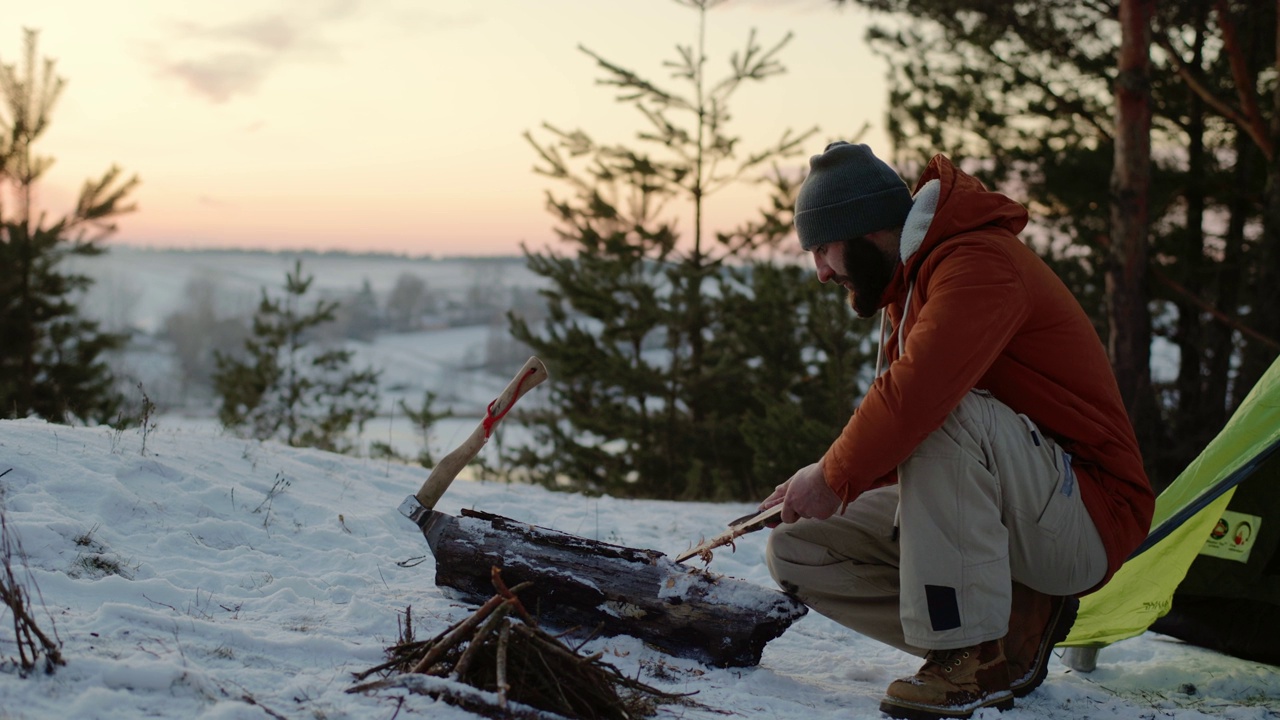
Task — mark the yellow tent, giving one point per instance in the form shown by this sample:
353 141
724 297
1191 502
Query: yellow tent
1195 522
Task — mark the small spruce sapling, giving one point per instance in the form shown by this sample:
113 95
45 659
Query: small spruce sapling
283 387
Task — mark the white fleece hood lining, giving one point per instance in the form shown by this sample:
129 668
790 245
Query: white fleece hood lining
923 208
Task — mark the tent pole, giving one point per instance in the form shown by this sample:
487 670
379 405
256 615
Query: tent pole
1081 659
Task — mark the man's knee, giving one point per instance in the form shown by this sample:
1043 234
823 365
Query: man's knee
780 552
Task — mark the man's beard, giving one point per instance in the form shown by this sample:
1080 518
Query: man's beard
869 272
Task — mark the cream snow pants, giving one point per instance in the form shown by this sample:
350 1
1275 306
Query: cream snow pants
984 501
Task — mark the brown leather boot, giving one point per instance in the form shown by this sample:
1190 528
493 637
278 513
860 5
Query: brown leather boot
1037 622
952 684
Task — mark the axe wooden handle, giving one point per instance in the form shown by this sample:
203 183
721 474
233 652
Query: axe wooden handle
532 374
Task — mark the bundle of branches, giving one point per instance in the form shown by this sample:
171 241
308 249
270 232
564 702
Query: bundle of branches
501 651
31 640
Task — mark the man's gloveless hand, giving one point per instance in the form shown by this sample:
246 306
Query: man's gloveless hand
805 495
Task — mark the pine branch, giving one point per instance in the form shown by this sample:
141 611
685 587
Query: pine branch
625 79
1245 87
1236 116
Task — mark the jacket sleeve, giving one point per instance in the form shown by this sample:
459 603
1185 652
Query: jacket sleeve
970 300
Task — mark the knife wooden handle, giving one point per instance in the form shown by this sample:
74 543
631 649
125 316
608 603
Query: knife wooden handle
756 520
532 374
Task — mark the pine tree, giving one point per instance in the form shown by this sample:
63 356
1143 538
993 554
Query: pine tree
424 418
808 359
655 385
51 358
282 387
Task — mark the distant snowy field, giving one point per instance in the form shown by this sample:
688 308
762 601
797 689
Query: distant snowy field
137 289
231 601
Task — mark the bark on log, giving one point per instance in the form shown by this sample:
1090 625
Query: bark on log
576 582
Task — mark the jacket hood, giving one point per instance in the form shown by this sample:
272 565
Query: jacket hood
947 202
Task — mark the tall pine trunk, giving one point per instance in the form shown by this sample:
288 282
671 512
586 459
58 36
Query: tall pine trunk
1129 341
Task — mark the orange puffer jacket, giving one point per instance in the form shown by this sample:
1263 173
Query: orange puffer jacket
984 311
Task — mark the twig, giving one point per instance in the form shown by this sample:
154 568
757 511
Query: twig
406 635
589 638
465 628
495 574
249 699
504 638
477 641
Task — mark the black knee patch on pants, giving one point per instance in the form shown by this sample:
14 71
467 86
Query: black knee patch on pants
944 609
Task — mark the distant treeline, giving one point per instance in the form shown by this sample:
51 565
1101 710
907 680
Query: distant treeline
328 254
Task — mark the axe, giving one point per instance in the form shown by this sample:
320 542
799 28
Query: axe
420 507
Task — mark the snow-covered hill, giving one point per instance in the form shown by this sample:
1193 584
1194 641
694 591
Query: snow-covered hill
218 578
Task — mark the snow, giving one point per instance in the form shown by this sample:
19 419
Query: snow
218 578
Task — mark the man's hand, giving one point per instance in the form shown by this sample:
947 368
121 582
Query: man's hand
805 495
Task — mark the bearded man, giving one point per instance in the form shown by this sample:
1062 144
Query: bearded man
990 475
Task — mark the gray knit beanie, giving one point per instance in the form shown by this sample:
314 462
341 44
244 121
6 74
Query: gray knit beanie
849 193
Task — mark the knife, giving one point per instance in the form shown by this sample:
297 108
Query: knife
737 528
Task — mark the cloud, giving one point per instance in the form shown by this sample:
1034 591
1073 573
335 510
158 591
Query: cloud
221 77
223 60
220 61
269 34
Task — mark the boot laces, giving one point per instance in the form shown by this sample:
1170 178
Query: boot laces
949 660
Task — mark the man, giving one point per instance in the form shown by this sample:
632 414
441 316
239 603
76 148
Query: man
990 474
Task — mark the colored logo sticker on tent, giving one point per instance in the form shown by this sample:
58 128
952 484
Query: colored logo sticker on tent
1233 537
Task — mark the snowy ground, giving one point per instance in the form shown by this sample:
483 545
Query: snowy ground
219 578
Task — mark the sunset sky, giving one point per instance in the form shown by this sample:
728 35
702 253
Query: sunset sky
395 125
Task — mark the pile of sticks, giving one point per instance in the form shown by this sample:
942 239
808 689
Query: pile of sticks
501 651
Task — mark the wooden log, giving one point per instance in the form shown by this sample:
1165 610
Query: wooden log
577 582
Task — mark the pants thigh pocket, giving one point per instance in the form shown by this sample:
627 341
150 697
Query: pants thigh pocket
1057 510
